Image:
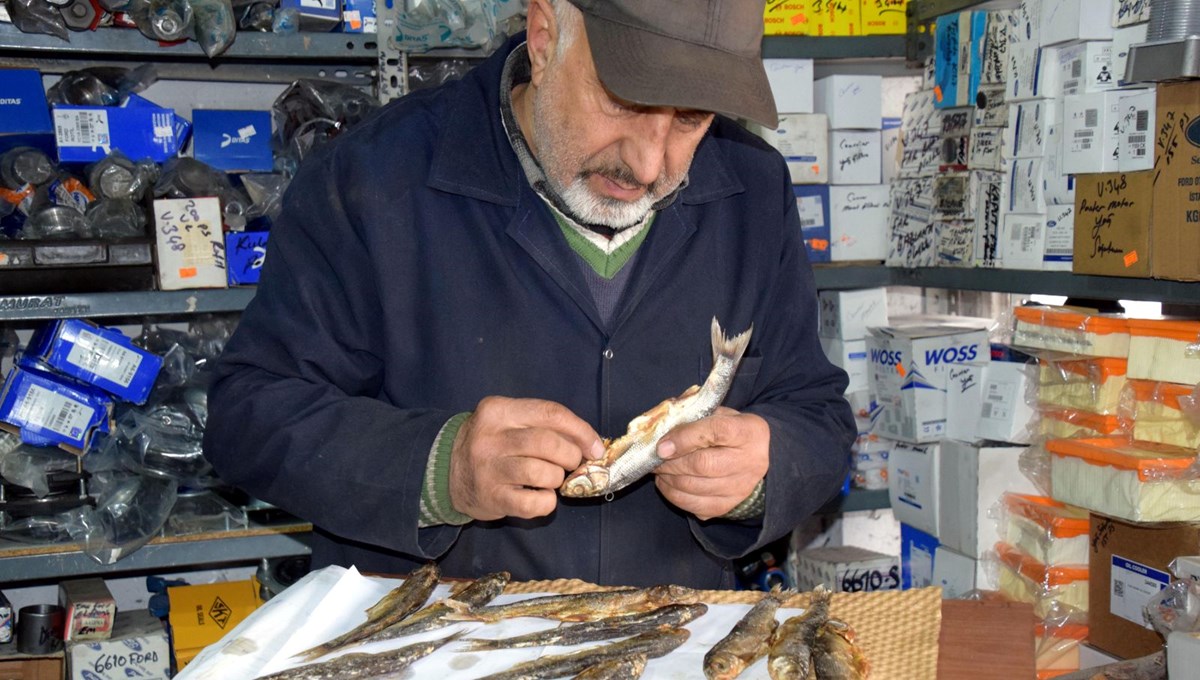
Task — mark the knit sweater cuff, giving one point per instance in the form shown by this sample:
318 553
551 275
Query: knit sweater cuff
754 505
435 493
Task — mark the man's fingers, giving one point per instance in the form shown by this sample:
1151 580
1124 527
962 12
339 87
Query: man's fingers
715 430
526 503
541 413
524 471
709 462
545 444
702 506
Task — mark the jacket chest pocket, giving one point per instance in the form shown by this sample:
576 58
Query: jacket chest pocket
745 381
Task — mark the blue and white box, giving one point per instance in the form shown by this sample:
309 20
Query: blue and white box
358 16
913 471
24 114
233 141
958 58
183 126
316 15
53 411
89 133
917 552
99 356
803 140
812 202
246 252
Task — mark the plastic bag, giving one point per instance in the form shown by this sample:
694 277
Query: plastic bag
200 510
30 466
128 513
426 24
310 113
1160 413
1174 608
185 177
1053 533
1023 578
215 27
37 16
115 218
266 194
425 74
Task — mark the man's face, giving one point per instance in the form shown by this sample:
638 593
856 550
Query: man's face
609 160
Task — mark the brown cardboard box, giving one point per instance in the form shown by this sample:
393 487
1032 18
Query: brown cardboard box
31 669
1177 182
90 609
1128 564
1112 223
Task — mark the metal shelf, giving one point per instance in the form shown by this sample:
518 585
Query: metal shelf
857 500
140 303
833 47
21 562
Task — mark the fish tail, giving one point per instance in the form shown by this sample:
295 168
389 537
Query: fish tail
733 347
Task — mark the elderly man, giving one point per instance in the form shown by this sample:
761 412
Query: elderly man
469 289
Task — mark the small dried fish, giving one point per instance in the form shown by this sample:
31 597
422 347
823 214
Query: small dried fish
359 665
581 607
746 643
391 608
629 668
635 455
653 645
790 654
476 594
835 656
603 629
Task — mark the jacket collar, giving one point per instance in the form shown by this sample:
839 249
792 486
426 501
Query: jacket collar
480 163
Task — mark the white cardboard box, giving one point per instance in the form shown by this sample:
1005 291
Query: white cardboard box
1086 67
986 148
1059 248
971 479
964 394
855 157
955 573
913 485
1068 20
847 314
1023 241
858 219
138 648
910 368
803 140
1027 186
892 148
846 569
1124 38
851 357
792 84
1127 12
989 217
1034 120
1032 72
1136 135
852 102
190 242
1090 132
1005 413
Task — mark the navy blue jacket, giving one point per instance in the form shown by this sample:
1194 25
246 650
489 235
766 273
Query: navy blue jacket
414 271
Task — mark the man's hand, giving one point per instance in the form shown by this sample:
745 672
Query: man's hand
713 464
511 455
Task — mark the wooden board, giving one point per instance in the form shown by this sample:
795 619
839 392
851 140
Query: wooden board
986 640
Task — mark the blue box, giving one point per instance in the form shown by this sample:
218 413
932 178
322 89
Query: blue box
88 133
24 114
98 356
245 252
917 550
183 126
53 411
953 33
812 202
358 16
316 15
233 141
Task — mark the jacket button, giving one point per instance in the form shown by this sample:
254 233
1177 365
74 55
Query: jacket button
608 354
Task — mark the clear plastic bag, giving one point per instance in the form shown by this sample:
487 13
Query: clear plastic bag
1024 579
310 113
422 75
266 194
1163 413
1069 330
456 23
215 27
1089 385
30 466
130 510
1174 608
1053 533
184 177
37 16
201 510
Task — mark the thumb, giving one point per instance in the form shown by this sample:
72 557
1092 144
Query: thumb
666 448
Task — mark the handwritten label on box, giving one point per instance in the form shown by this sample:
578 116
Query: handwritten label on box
190 243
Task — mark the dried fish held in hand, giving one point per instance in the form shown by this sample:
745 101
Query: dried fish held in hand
591 631
580 607
475 594
359 665
747 642
653 645
635 455
790 654
391 608
629 668
836 657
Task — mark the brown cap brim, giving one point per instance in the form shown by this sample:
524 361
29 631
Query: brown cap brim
656 70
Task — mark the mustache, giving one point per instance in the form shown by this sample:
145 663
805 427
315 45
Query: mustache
622 175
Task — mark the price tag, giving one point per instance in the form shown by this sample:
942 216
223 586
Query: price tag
190 243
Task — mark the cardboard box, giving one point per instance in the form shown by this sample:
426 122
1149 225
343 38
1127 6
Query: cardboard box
892 148
90 609
812 203
955 573
858 220
1068 20
1031 130
358 16
955 244
1023 241
1032 72
1089 132
846 569
1124 38
233 141
96 355
986 149
803 140
1026 186
989 219
32 669
910 369
1127 12
855 157
138 649
1005 414
839 18
181 125
991 106
24 114
791 17
1176 238
190 243
316 15
1086 67
958 58
964 397
995 47
972 478
850 102
246 252
202 614
848 314
1128 564
884 17
1113 220
89 133
792 84
918 551
851 357
1057 254
1135 141
913 485
53 411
